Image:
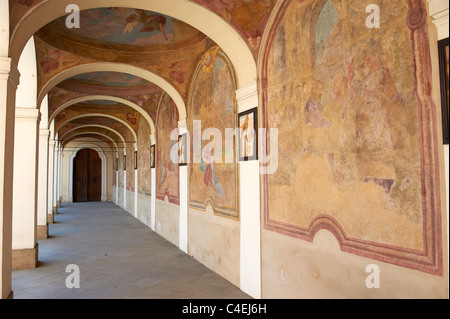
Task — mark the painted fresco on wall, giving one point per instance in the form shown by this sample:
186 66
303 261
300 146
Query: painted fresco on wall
212 103
350 152
144 163
167 172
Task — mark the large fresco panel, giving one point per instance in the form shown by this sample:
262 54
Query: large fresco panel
144 169
167 172
212 104
343 98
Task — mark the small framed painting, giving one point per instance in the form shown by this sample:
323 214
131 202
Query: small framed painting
248 135
135 159
152 156
444 73
182 150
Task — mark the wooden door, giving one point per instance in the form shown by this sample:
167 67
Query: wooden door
87 176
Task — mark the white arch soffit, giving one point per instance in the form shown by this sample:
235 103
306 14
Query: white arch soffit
106 98
94 125
201 18
101 153
116 67
95 133
102 115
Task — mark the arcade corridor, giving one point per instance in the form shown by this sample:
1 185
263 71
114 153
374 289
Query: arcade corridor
118 257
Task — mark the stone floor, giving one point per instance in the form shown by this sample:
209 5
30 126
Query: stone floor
118 257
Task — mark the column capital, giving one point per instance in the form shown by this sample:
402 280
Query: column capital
27 114
9 68
44 133
247 97
182 126
439 11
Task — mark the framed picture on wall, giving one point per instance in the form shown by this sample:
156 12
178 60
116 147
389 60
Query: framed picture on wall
444 73
248 135
152 156
124 164
182 151
135 160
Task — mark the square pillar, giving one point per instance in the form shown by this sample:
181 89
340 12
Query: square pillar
9 79
24 243
42 220
153 188
183 219
250 211
51 169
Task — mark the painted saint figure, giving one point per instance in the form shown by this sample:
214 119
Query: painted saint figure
151 23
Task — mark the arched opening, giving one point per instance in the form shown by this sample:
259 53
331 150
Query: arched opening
87 176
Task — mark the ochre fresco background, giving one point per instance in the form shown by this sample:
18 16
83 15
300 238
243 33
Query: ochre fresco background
167 176
212 104
144 169
350 144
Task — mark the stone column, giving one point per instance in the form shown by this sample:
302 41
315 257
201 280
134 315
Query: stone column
42 226
183 219
55 177
153 188
60 174
9 79
51 169
250 212
24 243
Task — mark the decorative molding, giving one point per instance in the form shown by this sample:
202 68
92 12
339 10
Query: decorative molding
247 97
27 114
8 68
439 11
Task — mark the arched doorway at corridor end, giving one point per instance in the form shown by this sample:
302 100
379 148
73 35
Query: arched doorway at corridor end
87 176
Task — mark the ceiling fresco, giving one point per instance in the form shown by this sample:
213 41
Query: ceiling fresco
119 111
160 44
124 26
112 79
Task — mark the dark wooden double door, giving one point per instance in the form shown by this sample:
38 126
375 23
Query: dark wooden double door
87 176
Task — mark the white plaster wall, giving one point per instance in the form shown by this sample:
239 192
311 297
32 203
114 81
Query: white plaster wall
114 196
296 269
167 220
121 197
215 242
144 208
130 202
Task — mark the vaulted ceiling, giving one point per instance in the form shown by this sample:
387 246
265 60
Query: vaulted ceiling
166 47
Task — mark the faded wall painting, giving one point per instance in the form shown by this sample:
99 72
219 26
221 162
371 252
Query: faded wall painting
144 169
213 179
351 141
167 172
